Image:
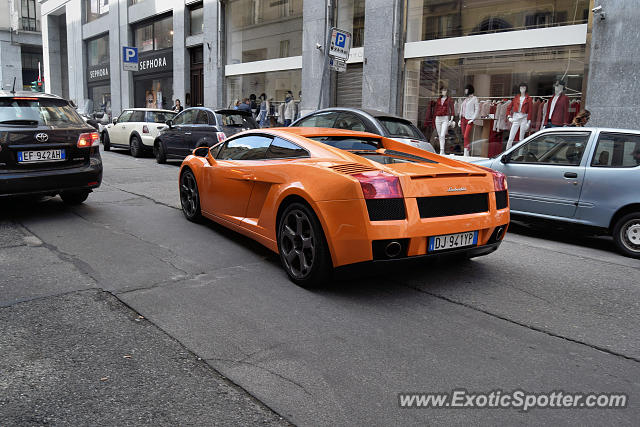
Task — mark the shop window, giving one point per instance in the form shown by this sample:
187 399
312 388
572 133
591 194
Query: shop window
98 51
196 19
30 71
496 78
94 9
261 26
154 35
437 19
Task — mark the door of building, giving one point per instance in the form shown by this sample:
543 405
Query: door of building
197 77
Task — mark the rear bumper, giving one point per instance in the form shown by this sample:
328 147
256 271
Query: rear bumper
84 177
351 235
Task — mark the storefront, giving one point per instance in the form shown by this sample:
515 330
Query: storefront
99 74
153 82
496 46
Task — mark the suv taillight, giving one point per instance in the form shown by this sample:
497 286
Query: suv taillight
499 179
88 140
221 136
379 185
145 129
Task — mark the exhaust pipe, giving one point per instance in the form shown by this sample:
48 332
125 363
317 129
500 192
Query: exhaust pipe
393 249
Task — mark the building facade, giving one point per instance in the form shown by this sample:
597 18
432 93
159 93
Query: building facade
213 52
20 43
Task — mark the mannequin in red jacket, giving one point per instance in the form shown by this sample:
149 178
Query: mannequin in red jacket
444 113
519 113
558 110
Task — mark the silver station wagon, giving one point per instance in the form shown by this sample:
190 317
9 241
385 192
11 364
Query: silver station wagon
584 176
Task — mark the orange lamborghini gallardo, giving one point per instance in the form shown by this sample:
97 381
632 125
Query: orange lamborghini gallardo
324 198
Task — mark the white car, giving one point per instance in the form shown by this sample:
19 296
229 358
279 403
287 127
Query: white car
135 129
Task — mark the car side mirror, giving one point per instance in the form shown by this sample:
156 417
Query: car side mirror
115 121
504 159
169 123
201 151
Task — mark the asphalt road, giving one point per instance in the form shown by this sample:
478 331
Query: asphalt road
550 310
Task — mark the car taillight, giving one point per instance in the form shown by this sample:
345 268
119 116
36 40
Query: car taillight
379 185
145 129
88 140
221 136
499 179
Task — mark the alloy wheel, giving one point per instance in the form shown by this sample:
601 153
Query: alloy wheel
297 243
189 194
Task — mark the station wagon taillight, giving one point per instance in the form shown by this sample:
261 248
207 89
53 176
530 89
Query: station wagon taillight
91 139
221 136
145 129
379 185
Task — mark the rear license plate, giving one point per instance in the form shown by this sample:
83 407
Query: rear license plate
41 156
452 241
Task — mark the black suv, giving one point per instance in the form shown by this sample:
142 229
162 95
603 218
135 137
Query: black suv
199 127
46 148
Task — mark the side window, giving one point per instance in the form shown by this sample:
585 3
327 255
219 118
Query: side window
137 116
250 147
189 117
124 117
350 122
552 149
320 120
283 149
179 119
201 118
617 150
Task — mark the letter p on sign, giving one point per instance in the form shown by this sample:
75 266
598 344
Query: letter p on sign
340 39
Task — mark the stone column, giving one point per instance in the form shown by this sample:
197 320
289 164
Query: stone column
10 65
315 91
51 55
125 90
213 57
76 59
381 78
114 58
180 64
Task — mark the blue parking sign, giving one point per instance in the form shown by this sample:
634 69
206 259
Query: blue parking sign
129 58
341 39
340 44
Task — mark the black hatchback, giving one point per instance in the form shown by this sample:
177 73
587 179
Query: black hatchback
46 148
199 127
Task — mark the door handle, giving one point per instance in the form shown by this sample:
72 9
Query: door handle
570 175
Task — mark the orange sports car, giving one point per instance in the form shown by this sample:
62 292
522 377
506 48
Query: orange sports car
325 198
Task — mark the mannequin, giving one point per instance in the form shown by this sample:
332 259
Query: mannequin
444 115
519 114
558 111
469 112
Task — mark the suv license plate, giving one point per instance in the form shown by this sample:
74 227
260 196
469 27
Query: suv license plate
452 241
40 156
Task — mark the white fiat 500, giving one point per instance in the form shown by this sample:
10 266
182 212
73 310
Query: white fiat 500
135 129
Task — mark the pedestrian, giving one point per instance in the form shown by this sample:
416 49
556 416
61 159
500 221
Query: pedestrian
177 107
289 109
253 104
581 119
263 109
245 105
234 104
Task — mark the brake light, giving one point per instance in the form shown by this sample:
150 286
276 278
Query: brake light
379 185
499 179
221 136
88 140
145 129
22 98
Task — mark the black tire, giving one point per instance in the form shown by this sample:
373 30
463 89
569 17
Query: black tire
626 234
135 147
302 246
189 196
159 153
106 142
74 197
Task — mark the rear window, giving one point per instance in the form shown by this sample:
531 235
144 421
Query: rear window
235 120
159 116
400 128
38 111
349 143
